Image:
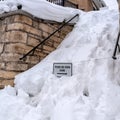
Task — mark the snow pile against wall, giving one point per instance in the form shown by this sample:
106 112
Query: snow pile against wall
92 93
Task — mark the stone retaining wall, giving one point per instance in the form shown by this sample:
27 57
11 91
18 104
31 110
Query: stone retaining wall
20 32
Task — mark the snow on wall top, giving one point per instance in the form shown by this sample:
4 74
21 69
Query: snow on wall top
46 10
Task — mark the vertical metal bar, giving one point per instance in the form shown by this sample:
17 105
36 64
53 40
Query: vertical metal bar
116 46
63 2
58 2
117 42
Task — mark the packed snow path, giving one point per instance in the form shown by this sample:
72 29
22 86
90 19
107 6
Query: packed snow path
92 93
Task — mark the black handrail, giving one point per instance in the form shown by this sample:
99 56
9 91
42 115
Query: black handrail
58 2
97 4
116 46
32 50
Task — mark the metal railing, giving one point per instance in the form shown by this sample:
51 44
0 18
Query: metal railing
43 41
117 47
97 4
58 2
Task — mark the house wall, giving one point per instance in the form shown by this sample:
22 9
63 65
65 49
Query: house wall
85 5
119 4
20 32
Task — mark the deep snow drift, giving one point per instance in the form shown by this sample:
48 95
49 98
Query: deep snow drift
92 93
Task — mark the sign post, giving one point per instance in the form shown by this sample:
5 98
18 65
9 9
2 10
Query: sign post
62 69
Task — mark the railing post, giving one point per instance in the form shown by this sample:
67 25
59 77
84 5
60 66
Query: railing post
58 2
63 2
116 46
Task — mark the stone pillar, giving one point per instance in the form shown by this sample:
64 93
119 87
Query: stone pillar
20 32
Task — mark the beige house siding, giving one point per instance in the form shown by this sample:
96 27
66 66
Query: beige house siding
85 5
119 4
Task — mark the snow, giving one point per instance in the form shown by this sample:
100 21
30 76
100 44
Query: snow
112 4
49 11
40 8
92 93
46 10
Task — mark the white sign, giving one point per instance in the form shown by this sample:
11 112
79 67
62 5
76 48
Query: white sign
62 69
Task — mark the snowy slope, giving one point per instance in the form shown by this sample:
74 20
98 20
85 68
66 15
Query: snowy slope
92 93
112 4
95 73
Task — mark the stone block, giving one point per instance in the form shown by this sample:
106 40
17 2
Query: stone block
16 36
35 24
49 43
66 29
46 28
15 26
63 34
57 34
1 60
46 52
7 82
32 59
48 48
1 47
10 57
2 28
17 48
23 19
18 67
54 25
24 27
39 38
41 54
1 86
7 74
30 65
2 37
56 39
2 65
32 41
45 34
8 20
56 44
